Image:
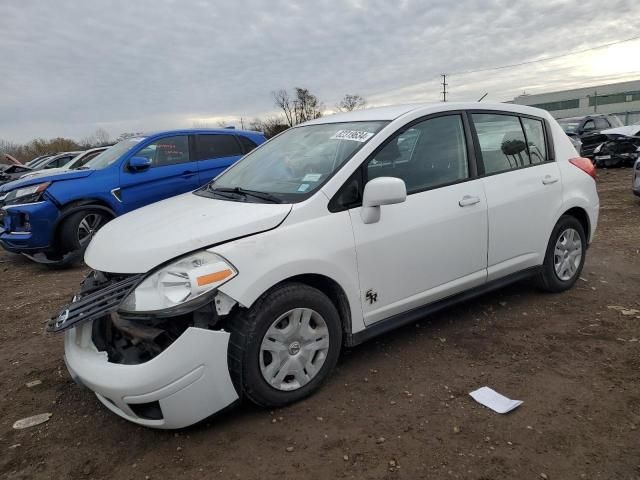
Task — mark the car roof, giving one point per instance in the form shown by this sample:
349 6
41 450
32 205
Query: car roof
192 131
62 154
396 111
577 119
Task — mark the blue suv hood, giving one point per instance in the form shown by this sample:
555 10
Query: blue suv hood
57 177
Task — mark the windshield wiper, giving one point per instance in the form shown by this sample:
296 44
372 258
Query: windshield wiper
252 193
223 193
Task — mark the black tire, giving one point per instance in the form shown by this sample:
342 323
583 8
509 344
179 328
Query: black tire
69 239
548 279
248 327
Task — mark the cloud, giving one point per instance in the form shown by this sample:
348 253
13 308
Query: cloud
70 67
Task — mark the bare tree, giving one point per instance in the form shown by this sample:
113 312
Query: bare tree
306 105
11 148
101 137
286 104
351 102
270 126
126 135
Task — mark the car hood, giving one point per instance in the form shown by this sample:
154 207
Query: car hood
56 177
145 238
44 173
629 131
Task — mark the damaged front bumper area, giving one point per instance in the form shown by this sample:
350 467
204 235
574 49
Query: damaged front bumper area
168 372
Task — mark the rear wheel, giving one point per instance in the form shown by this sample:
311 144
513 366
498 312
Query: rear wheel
285 345
565 255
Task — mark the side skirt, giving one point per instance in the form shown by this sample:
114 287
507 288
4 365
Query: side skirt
410 316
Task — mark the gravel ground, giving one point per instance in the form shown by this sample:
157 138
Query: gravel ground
396 407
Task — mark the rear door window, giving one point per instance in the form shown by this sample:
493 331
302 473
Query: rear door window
502 142
602 123
217 146
534 132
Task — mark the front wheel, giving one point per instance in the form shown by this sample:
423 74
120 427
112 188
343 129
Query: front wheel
285 345
78 229
565 255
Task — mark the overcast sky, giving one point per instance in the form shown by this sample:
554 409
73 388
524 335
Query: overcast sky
70 67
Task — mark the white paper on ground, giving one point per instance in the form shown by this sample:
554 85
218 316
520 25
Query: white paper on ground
493 400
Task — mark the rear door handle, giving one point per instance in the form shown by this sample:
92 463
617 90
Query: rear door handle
548 180
468 200
188 174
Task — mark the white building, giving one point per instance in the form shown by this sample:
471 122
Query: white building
621 99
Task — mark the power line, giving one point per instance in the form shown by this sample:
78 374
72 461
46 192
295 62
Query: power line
546 58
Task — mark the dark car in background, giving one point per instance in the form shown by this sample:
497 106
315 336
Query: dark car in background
618 147
587 129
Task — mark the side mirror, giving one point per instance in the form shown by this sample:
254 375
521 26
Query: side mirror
381 191
139 164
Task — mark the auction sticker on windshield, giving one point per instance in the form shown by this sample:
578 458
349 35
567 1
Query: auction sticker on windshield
312 177
355 135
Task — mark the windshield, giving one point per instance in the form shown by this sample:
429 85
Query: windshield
112 154
569 126
295 163
38 163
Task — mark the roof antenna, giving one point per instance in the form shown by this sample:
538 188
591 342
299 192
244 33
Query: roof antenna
482 97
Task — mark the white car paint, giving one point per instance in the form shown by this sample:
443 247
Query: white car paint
435 244
192 222
628 130
199 382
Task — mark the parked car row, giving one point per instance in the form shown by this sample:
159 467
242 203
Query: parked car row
51 216
333 232
39 164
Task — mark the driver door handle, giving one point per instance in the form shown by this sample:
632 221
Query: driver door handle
548 180
188 174
468 200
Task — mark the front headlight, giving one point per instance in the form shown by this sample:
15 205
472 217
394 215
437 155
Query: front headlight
181 282
598 148
30 194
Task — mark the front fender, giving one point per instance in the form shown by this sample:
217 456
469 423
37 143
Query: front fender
324 247
79 206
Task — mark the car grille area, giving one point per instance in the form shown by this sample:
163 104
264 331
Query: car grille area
101 295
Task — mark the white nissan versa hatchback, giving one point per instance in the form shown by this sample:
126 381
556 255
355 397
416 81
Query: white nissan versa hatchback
333 232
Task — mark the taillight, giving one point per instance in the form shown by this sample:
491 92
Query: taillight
585 165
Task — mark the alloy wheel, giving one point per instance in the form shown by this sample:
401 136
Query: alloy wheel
88 226
567 254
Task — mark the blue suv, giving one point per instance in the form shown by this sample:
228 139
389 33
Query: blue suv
51 219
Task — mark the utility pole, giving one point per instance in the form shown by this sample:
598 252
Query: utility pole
444 87
595 101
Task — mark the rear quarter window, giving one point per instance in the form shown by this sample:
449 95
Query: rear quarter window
217 146
247 143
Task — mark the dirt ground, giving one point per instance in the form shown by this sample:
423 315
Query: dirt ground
397 407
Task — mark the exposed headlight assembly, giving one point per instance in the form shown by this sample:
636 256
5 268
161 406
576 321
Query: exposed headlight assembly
181 283
598 148
30 194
